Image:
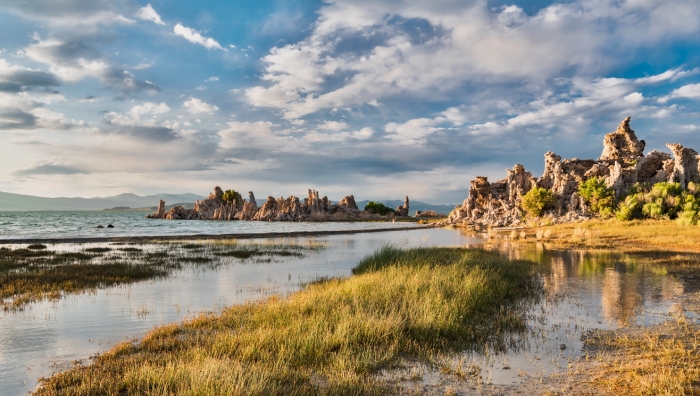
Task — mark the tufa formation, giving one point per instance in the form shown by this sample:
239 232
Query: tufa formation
621 165
313 208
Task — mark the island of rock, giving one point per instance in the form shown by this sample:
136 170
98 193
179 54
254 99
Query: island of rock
313 208
621 165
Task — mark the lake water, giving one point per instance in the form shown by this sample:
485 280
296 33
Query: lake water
583 291
27 225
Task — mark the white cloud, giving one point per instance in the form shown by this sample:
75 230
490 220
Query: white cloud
470 43
195 37
149 108
333 126
147 13
196 106
411 130
690 91
212 78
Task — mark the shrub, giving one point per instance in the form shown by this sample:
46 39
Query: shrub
662 201
629 209
230 195
378 208
598 196
536 200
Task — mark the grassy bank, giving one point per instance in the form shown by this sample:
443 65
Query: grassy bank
623 236
330 338
36 273
659 360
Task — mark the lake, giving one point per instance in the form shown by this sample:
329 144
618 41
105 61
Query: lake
582 291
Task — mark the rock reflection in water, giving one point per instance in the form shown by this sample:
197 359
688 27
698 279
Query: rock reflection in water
583 290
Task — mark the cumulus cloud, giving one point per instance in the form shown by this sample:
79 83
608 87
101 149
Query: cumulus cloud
196 106
195 37
142 122
690 91
147 13
469 43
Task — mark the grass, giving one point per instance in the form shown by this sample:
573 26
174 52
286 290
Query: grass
662 360
623 236
34 273
331 338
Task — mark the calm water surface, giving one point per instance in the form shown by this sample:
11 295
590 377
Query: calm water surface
16 225
583 291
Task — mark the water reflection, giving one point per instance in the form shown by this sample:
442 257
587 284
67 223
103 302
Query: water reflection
49 335
582 291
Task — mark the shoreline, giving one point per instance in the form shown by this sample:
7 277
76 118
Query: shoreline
154 238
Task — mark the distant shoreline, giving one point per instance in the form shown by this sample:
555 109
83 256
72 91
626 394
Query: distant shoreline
157 238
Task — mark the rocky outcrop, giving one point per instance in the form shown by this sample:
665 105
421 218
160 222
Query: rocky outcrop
621 165
685 167
622 145
313 208
402 210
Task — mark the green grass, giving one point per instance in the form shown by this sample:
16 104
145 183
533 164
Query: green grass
331 338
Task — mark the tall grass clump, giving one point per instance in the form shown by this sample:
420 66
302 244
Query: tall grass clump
330 338
536 200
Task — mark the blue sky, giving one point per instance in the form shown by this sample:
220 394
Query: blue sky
380 99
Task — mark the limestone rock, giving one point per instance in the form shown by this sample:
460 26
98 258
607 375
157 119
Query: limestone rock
685 167
402 210
621 165
250 208
160 213
622 145
349 202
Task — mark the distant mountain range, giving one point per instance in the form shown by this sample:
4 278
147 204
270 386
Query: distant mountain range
19 202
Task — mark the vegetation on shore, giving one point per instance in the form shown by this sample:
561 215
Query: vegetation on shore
332 337
623 236
378 208
658 360
36 273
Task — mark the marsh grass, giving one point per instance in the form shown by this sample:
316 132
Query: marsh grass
29 275
333 337
627 236
662 360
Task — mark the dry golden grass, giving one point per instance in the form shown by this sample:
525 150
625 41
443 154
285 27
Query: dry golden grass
662 360
623 236
327 339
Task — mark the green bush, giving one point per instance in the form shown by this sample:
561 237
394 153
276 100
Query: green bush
629 209
536 200
599 197
378 208
230 195
662 201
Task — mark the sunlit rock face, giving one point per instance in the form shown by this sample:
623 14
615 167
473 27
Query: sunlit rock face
622 145
621 165
313 208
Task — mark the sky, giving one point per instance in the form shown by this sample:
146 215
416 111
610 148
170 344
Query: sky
376 98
